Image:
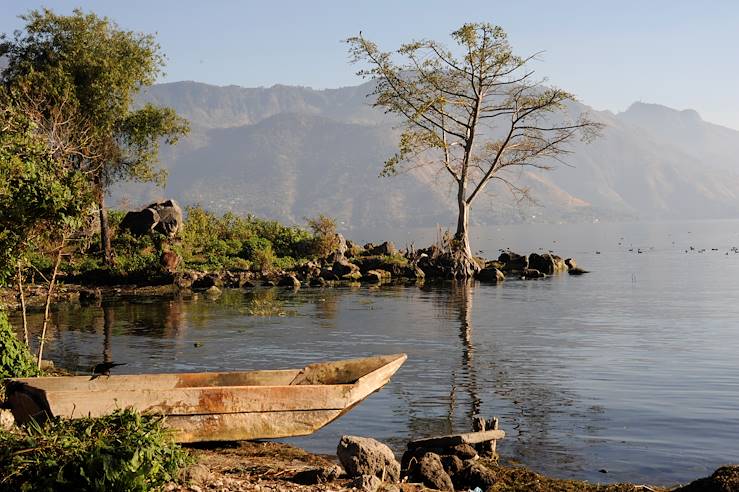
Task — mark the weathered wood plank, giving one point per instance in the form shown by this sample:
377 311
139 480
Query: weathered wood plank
342 371
193 401
163 381
244 426
369 383
454 439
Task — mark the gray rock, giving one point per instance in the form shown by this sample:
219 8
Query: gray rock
165 218
430 472
140 223
513 262
366 456
724 479
463 451
170 217
342 247
317 282
213 292
366 483
207 281
315 476
7 422
532 273
343 267
490 274
289 281
544 263
474 475
329 275
452 464
386 248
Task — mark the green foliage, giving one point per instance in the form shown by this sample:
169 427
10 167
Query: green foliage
121 451
448 99
232 241
16 360
38 195
325 239
89 69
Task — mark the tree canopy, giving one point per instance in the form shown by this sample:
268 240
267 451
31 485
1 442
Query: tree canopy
80 74
475 112
39 195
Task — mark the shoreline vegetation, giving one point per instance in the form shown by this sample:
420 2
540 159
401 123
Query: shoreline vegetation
209 253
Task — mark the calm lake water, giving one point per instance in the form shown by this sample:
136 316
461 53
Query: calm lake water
633 368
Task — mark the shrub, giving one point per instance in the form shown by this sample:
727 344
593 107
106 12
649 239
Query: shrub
16 360
120 451
325 240
259 251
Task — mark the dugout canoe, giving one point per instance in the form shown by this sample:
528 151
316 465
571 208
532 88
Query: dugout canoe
214 406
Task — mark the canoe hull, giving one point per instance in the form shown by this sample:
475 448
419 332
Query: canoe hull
214 406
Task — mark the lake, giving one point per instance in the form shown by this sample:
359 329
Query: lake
632 368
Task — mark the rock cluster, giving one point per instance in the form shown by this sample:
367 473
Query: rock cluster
164 218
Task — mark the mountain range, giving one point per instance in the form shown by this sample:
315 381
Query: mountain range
288 153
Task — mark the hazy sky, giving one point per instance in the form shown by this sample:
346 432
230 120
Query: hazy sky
683 54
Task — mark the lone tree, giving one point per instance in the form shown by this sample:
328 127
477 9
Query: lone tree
80 73
474 113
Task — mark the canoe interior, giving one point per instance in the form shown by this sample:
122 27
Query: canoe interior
214 406
339 372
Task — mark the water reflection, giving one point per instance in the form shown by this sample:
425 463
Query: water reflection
582 372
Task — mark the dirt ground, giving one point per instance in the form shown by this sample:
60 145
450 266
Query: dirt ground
270 466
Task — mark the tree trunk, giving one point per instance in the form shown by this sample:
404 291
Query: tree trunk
465 265
104 230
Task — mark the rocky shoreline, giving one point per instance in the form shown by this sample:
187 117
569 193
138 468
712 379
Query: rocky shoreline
350 264
274 466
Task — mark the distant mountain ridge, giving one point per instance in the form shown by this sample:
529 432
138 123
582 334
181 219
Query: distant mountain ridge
290 152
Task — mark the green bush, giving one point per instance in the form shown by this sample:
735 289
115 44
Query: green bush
16 360
325 240
120 451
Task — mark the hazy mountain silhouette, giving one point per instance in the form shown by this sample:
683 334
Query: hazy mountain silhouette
291 152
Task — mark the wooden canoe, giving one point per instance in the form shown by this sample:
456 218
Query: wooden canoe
214 406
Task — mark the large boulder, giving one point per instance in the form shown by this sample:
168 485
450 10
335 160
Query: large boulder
140 223
386 249
430 472
343 267
366 456
170 217
164 218
547 263
513 262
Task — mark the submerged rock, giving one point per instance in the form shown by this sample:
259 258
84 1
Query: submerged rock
366 456
289 281
490 274
546 263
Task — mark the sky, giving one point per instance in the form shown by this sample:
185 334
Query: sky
682 54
